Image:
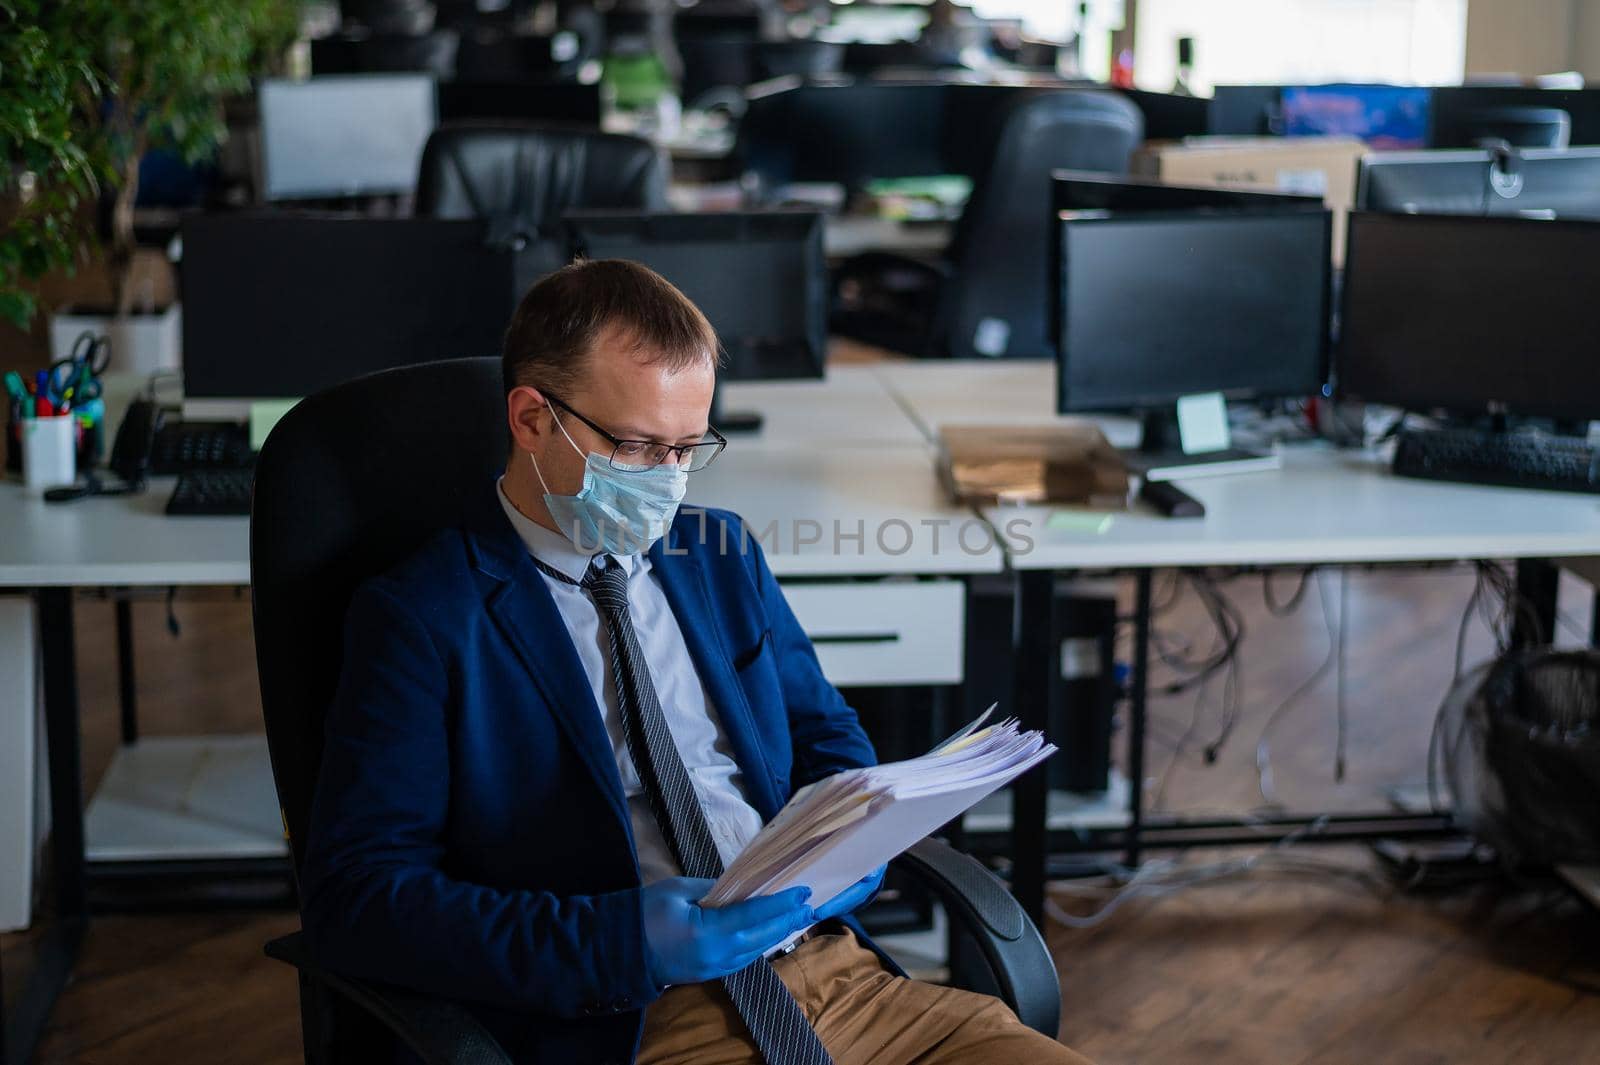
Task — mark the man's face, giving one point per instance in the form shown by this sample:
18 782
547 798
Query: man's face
622 392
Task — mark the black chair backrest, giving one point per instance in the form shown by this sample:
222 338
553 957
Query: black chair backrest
521 178
1001 247
431 53
351 482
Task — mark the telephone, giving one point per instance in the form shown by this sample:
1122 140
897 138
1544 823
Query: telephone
135 442
130 456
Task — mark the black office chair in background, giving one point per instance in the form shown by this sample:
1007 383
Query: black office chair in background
521 178
989 294
352 481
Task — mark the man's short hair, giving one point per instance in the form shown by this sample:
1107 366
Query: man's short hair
559 320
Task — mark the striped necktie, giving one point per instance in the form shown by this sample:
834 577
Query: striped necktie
776 1022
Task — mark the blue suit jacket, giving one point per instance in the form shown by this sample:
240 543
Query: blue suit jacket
469 836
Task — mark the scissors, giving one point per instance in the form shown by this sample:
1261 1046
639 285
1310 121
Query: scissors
76 378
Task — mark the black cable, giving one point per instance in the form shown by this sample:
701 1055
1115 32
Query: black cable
1229 624
1283 610
1228 619
1342 717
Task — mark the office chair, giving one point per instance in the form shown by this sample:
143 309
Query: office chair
1519 127
989 294
522 178
336 502
431 53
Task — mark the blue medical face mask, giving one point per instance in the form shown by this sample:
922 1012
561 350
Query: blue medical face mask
618 512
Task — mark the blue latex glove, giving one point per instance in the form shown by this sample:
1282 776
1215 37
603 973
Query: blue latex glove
686 944
853 896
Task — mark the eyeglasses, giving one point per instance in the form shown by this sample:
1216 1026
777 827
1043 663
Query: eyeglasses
637 456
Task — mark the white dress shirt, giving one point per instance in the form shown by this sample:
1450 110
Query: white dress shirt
696 729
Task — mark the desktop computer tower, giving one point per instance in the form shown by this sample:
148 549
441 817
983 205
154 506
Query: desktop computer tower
1085 692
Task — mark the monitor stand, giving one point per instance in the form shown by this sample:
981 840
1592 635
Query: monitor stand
731 421
1160 455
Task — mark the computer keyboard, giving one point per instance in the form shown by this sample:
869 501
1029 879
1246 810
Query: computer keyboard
212 492
1517 460
181 446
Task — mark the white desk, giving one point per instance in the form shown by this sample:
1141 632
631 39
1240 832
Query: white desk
850 406
986 392
116 540
847 235
1322 506
818 497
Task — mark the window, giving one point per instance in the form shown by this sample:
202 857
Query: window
1288 42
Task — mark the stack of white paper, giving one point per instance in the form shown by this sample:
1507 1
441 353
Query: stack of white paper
836 831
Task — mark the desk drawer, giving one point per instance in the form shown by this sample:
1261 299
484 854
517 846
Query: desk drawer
884 633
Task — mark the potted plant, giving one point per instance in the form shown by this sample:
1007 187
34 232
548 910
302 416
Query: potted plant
46 172
141 74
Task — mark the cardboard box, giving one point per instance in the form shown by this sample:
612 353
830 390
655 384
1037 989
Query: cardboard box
1068 462
1309 166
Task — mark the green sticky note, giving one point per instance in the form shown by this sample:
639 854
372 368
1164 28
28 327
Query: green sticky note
264 414
1094 522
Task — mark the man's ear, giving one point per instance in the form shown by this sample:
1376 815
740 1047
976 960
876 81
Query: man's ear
527 416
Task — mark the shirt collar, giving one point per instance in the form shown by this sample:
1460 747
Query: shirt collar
549 546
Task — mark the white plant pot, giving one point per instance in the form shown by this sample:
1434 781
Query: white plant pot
140 343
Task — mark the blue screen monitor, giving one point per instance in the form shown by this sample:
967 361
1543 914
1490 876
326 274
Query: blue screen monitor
1386 117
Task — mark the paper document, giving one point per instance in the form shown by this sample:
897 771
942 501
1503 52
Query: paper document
836 831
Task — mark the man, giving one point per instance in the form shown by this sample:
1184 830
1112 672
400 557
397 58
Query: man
554 729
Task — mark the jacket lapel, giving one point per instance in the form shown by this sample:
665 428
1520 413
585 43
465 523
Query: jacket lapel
523 609
682 578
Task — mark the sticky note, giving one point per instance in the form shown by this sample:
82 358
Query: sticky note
1203 423
264 414
1094 522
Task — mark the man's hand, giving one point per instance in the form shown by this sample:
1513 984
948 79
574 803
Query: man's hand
687 944
852 896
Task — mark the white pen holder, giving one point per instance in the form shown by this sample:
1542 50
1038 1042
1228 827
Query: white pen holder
49 452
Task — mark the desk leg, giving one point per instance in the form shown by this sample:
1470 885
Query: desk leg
1139 690
56 952
1538 586
1036 669
127 690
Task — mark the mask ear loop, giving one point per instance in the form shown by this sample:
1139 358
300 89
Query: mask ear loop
571 442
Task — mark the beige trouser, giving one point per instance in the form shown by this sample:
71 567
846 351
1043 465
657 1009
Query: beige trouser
861 1011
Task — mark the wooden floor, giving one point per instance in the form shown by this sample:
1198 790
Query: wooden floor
1295 963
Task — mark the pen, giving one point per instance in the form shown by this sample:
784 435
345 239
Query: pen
42 407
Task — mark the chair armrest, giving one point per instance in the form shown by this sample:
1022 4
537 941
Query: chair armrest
1011 946
436 1030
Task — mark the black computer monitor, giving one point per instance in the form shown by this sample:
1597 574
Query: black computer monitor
760 277
1170 116
567 102
1545 183
1471 315
282 305
1086 190
847 133
1158 305
344 135
1244 110
1459 111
